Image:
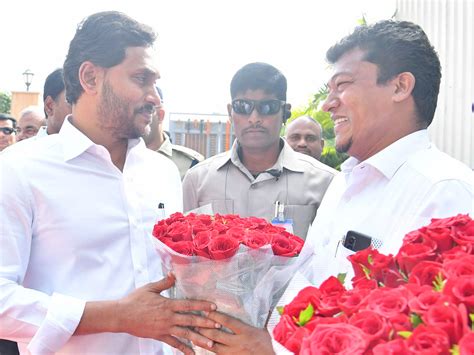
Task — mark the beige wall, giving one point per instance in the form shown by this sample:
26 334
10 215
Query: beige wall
21 100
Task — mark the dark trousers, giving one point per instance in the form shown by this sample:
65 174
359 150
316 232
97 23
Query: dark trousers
8 347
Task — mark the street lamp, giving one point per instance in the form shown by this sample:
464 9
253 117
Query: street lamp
28 74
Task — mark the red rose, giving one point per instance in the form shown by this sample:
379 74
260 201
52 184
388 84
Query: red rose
401 322
429 340
462 290
175 217
297 242
313 323
462 265
394 347
283 246
184 247
331 286
328 305
201 242
219 227
411 254
370 259
466 344
388 302
255 239
238 233
422 302
308 295
350 301
460 219
414 237
159 229
449 317
340 338
284 329
374 325
293 343
180 231
364 283
464 234
441 236
457 252
426 272
222 247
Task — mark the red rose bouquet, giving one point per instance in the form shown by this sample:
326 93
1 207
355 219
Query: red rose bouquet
241 264
420 301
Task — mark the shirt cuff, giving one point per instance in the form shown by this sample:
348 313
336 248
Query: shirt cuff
63 316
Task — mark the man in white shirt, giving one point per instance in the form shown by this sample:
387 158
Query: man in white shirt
382 97
78 272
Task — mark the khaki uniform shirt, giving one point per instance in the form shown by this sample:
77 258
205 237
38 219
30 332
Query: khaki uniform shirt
297 180
183 157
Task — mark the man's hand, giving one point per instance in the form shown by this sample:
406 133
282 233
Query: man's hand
244 340
146 314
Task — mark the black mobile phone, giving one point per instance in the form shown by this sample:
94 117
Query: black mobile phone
356 241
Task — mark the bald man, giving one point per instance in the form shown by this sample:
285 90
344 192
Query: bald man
304 134
31 120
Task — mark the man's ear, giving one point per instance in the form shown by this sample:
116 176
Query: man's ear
49 106
404 85
88 77
160 113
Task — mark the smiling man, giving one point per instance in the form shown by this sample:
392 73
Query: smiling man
261 171
78 271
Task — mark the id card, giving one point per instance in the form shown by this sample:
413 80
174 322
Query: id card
286 223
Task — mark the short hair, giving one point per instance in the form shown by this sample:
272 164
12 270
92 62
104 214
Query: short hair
160 93
102 39
255 76
54 84
397 47
6 117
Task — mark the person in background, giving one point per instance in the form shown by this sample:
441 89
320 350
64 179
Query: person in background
30 121
78 270
261 174
382 97
305 135
7 130
158 140
56 108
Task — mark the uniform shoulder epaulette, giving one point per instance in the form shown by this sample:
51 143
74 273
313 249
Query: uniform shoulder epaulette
191 153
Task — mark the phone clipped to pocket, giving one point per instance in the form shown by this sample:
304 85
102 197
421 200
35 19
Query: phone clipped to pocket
356 241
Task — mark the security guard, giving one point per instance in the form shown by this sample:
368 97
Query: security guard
158 140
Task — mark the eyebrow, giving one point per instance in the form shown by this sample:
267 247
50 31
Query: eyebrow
335 76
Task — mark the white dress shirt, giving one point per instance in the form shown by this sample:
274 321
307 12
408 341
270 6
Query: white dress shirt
74 228
393 192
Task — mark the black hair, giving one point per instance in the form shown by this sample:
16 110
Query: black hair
397 47
255 76
54 84
102 38
6 116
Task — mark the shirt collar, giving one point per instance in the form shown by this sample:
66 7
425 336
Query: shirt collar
390 159
286 160
74 142
166 147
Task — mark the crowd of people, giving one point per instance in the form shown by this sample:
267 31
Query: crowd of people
79 196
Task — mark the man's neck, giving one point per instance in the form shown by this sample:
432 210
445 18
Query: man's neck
157 141
258 160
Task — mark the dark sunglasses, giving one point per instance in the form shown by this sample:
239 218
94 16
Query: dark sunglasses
264 107
7 130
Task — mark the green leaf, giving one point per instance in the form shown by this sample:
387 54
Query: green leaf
404 334
306 315
415 320
370 259
471 317
455 350
439 282
405 277
366 271
342 277
280 310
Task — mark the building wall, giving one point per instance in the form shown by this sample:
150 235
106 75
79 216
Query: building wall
449 25
21 100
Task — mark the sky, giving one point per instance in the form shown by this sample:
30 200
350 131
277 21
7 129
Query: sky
201 44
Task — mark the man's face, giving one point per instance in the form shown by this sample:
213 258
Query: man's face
59 109
5 138
128 95
361 110
29 125
304 136
256 131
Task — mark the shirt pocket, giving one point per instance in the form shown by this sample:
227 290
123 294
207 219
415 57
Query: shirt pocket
220 206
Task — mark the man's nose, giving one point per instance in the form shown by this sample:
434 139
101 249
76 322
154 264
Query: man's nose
254 117
331 103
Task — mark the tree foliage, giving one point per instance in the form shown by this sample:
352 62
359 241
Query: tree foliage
5 102
313 109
